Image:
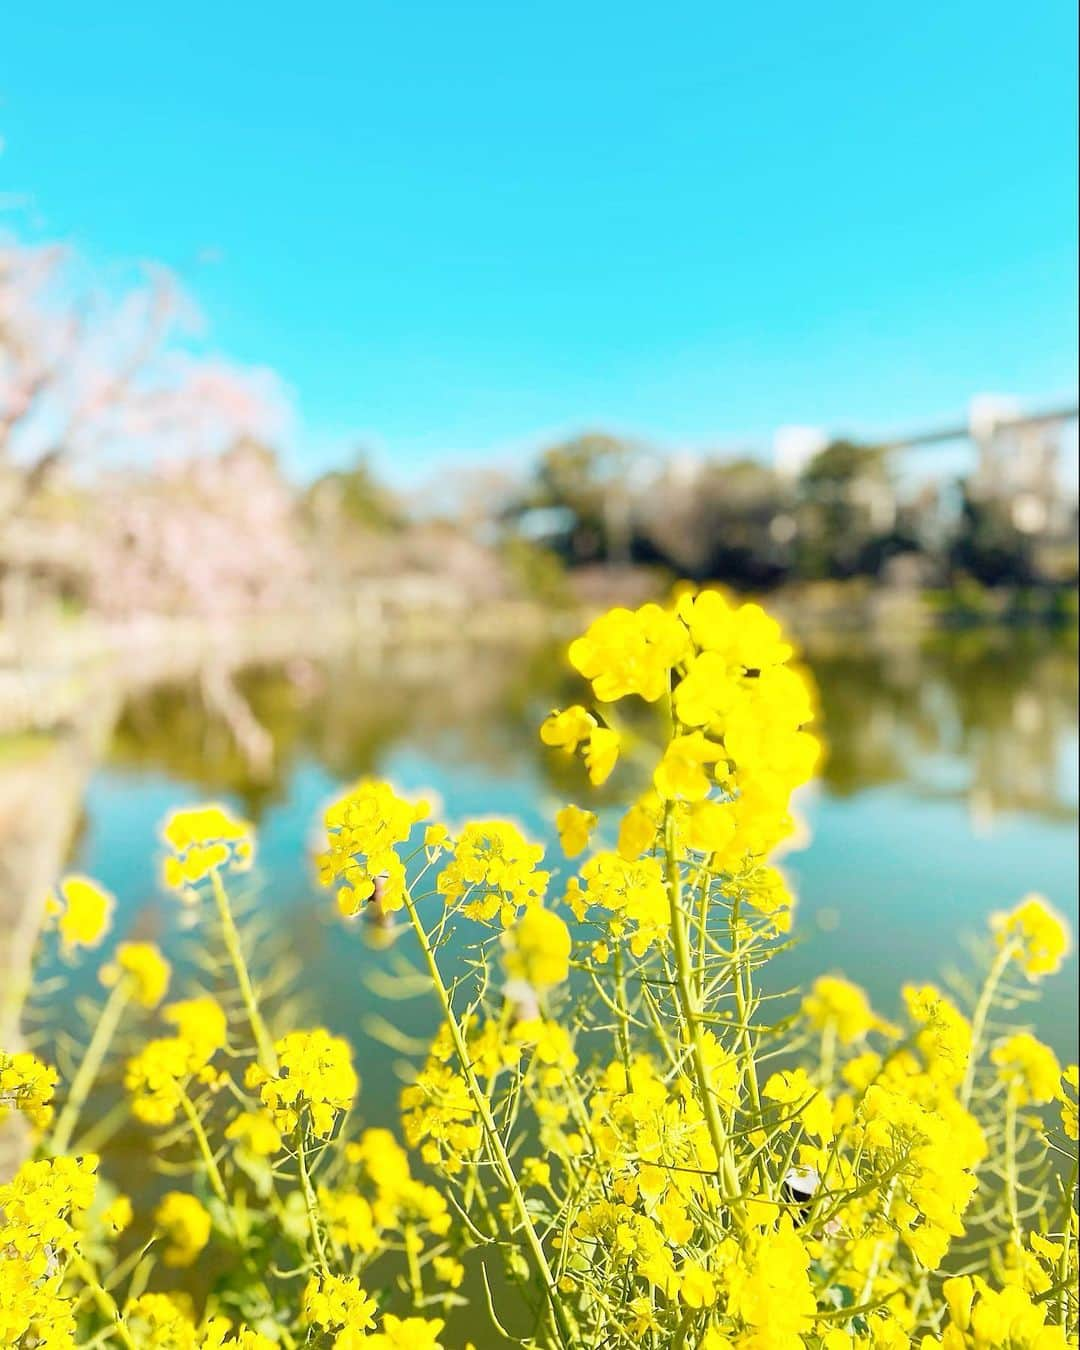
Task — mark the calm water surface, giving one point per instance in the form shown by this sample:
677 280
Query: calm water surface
949 791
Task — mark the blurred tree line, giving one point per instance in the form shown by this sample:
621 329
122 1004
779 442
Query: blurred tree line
597 499
138 476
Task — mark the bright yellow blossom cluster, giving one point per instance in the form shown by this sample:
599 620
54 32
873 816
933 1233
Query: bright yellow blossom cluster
159 1075
203 841
146 969
838 1005
26 1085
363 831
83 911
493 871
1035 934
186 1226
41 1208
315 1076
539 949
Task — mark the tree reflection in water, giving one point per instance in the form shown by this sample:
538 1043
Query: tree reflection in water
990 716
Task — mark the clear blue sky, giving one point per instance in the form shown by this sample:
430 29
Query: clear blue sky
456 229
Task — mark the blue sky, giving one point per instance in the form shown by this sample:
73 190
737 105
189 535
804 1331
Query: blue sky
456 230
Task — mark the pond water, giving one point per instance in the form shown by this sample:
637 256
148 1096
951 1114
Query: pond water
950 790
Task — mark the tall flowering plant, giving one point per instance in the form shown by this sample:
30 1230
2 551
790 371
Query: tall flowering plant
621 1134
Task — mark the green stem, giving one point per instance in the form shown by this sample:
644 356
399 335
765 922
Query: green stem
213 1172
564 1331
263 1040
978 1020
879 1246
622 1010
416 1283
1011 1179
1063 1263
743 989
311 1203
691 1019
101 1296
91 1064
704 881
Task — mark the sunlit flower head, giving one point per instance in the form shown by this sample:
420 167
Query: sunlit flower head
575 827
315 1072
83 911
538 949
146 969
185 1225
1038 935
204 840
27 1085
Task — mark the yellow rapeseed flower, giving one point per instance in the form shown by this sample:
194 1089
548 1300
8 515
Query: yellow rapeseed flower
837 1002
147 968
84 912
566 730
336 1301
201 1022
574 826
27 1085
202 840
493 871
539 949
363 830
407 1333
1030 1068
255 1132
185 1225
630 652
1038 933
682 773
602 754
118 1214
314 1071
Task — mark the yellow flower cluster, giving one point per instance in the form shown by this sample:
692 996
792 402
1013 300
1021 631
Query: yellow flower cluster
1035 934
1029 1069
440 1115
158 1076
166 1322
493 872
40 1211
337 1304
739 745
363 831
26 1085
981 1318
837 1004
254 1133
186 1227
315 1076
202 841
538 949
83 912
573 728
657 1147
399 1201
633 892
145 969
630 652
575 827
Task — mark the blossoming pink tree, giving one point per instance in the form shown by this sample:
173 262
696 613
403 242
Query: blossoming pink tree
128 463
